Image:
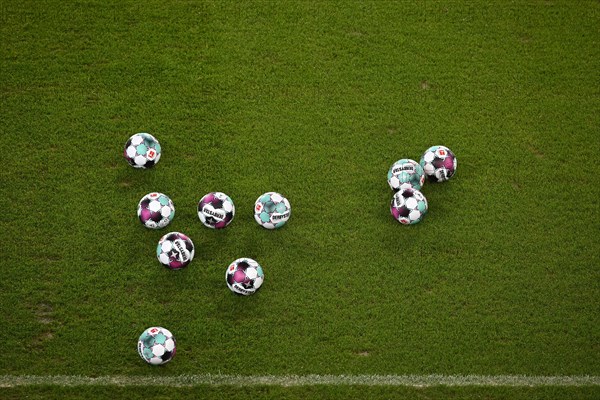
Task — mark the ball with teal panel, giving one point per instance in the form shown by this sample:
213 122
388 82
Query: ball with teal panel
406 173
408 206
156 210
216 210
175 250
272 210
156 345
142 150
439 163
244 276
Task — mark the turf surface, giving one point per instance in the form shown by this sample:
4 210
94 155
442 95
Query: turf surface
315 100
314 392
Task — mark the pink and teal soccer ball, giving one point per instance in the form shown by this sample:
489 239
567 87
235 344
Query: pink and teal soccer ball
175 250
156 210
216 210
408 206
439 163
244 276
406 173
156 345
142 150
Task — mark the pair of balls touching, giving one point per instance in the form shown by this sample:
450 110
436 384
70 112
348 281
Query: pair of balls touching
406 177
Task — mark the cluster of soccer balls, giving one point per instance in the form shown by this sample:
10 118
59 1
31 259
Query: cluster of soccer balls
406 177
175 250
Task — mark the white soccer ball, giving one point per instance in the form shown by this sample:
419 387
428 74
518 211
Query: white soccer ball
142 150
244 276
439 163
408 206
216 210
272 210
406 173
175 250
157 345
156 210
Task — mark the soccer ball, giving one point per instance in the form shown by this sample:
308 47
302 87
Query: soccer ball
175 250
156 346
216 210
156 210
406 173
272 210
244 276
142 150
409 206
439 163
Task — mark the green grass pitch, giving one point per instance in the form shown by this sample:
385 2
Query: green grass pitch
314 100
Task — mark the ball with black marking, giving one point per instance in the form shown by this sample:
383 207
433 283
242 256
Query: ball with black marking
156 345
175 250
408 206
156 210
272 210
216 210
142 150
244 276
439 163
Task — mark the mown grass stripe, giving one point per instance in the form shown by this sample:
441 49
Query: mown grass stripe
300 380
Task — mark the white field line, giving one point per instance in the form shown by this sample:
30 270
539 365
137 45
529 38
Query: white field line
7 381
